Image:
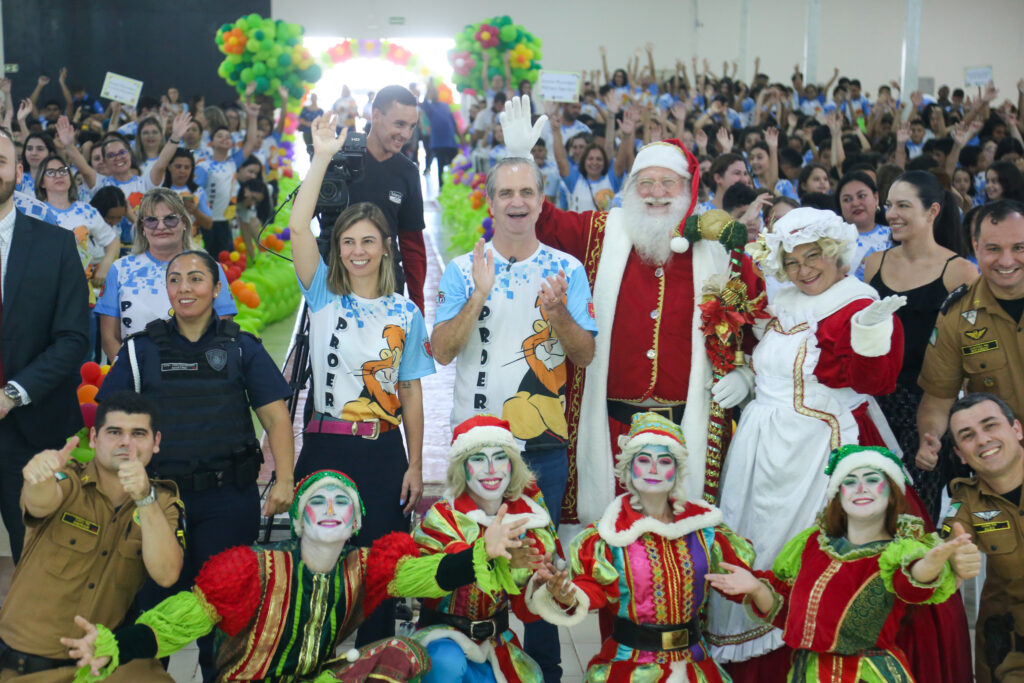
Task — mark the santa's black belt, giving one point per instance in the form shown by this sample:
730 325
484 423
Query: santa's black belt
624 412
656 637
479 629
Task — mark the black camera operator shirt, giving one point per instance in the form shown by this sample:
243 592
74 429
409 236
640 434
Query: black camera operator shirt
393 186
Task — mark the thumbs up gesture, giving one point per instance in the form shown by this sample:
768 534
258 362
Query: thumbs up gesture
966 558
132 474
44 465
958 545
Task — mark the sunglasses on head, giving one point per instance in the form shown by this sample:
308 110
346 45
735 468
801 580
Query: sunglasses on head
152 222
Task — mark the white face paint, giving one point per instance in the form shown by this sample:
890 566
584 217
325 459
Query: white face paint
864 493
329 515
488 472
654 470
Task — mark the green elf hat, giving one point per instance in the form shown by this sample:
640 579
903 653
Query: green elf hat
310 484
846 459
652 429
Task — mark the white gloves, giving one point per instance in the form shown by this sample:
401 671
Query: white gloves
730 391
880 311
520 135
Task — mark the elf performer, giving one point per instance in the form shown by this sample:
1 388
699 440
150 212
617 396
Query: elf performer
839 589
649 264
645 563
467 632
285 607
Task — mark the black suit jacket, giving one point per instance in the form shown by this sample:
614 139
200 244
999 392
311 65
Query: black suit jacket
44 333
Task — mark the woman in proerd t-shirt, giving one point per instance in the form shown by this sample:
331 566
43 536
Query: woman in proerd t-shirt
368 348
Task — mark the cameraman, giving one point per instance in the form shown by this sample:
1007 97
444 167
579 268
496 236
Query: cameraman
390 182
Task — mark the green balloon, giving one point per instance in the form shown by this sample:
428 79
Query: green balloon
246 75
224 70
259 68
241 24
258 34
507 34
537 54
284 60
234 59
262 84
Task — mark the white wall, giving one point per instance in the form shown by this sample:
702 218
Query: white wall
862 37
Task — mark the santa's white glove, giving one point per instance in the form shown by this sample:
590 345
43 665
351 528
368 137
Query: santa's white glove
520 136
880 311
730 391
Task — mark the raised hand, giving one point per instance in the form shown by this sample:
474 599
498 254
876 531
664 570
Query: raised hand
63 77
325 139
83 650
701 138
603 50
771 137
42 81
966 559
881 311
612 102
180 125
132 475
250 89
990 92
630 119
679 112
483 268
552 291
501 537
43 466
520 136
928 452
24 109
724 137
903 133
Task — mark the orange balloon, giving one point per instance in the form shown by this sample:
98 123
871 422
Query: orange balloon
87 393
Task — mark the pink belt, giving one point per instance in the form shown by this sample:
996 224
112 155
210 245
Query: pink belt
325 424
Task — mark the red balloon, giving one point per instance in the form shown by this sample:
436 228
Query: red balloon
88 415
224 255
90 372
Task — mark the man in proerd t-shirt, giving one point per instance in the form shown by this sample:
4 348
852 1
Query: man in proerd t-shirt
390 182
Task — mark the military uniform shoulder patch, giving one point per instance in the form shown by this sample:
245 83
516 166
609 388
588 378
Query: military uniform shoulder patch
953 297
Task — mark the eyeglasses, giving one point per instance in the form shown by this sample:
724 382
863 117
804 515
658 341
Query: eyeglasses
55 172
116 155
667 184
812 260
153 222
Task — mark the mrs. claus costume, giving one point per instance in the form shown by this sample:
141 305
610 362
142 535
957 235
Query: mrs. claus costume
817 366
650 348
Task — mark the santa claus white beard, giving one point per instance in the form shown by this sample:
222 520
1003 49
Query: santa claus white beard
651 232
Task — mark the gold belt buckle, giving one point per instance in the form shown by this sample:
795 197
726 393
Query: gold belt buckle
665 412
675 640
375 433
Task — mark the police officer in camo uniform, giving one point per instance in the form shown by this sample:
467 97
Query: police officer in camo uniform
988 506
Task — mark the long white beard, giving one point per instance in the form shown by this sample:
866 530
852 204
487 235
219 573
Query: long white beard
651 235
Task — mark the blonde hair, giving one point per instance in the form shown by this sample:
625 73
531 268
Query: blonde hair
170 199
830 248
519 479
624 471
337 275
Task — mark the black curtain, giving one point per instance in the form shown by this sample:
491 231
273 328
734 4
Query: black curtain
163 44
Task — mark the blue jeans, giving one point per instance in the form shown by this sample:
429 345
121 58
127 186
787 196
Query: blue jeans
540 639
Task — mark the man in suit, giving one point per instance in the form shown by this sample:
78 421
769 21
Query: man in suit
44 335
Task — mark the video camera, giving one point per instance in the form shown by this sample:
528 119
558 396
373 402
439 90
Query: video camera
345 167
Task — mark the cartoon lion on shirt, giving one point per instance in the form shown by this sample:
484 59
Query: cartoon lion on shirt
536 410
379 397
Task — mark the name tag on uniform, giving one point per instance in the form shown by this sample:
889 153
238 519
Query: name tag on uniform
179 367
80 523
991 526
990 345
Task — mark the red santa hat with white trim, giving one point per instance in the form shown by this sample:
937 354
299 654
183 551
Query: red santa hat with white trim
674 156
482 431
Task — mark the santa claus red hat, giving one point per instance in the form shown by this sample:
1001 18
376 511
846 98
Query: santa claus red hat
482 431
674 156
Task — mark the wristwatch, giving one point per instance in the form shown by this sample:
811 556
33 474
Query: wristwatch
148 500
11 392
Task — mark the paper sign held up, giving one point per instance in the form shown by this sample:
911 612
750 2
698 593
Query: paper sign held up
977 75
121 89
558 86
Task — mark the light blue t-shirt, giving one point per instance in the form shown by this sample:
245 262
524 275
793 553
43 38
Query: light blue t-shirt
361 348
878 239
136 292
513 364
30 206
